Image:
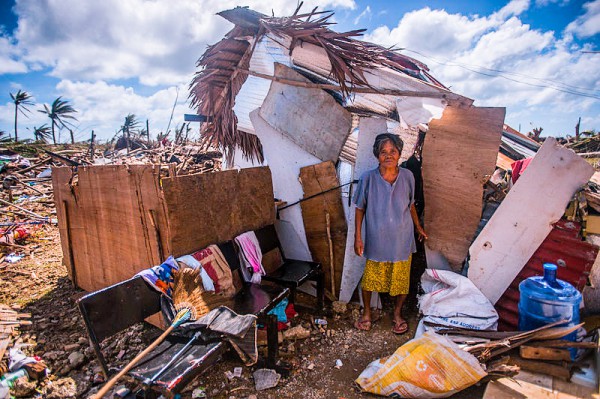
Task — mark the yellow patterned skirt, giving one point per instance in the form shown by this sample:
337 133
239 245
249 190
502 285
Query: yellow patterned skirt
392 277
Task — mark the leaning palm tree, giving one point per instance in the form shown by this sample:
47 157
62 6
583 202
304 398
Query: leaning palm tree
42 133
58 112
21 99
131 125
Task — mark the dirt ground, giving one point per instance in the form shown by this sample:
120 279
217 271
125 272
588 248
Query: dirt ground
39 284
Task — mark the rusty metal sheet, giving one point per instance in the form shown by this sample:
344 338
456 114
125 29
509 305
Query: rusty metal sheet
564 247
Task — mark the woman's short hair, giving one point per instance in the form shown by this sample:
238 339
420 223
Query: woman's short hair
382 138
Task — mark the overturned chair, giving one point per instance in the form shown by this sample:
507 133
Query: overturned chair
115 308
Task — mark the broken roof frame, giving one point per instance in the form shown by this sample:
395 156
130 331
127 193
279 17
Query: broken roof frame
366 78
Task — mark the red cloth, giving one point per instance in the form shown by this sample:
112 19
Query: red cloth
290 312
518 167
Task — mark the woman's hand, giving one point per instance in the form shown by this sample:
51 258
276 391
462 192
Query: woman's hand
358 246
422 234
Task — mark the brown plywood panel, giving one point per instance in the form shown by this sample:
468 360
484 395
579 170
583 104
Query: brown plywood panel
459 154
107 232
317 179
309 117
209 208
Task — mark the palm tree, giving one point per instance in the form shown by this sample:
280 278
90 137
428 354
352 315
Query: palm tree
21 99
42 133
131 125
58 112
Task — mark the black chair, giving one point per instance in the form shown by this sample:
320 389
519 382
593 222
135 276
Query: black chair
115 308
291 273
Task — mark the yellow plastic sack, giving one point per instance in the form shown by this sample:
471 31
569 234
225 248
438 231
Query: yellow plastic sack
430 366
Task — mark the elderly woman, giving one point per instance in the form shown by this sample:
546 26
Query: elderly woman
385 203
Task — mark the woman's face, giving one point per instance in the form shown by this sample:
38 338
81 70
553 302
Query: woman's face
389 155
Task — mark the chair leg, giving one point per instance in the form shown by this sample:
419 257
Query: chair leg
272 340
320 291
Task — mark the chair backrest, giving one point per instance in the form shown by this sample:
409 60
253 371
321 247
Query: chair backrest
113 309
267 239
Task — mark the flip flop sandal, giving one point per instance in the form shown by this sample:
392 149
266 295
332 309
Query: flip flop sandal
363 325
400 327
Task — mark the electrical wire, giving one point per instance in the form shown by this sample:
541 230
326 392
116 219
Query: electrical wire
569 89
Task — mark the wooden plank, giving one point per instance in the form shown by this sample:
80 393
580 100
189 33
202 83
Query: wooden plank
592 224
316 179
459 154
111 236
298 113
210 208
542 353
507 388
542 367
525 217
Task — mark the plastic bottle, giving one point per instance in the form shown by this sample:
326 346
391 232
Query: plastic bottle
546 299
8 379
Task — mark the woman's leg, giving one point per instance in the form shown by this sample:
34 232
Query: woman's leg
398 307
366 296
364 321
400 324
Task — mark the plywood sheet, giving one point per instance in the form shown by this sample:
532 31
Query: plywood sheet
209 208
316 179
107 218
309 117
459 154
525 217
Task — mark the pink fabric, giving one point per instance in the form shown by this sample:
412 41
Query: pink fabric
250 257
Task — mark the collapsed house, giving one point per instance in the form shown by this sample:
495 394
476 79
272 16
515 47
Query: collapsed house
293 95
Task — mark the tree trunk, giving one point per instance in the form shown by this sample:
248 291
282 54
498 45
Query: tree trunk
16 115
53 135
72 138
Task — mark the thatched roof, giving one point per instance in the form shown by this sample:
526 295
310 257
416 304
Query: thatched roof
224 68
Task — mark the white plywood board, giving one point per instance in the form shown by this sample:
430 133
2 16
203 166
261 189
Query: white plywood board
309 117
525 217
285 159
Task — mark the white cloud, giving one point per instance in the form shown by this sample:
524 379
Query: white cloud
155 41
9 57
588 24
366 14
103 107
497 60
515 7
544 3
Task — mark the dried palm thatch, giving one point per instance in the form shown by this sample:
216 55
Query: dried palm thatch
223 67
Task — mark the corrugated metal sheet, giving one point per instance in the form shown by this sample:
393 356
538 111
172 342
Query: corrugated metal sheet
254 90
314 60
563 247
518 147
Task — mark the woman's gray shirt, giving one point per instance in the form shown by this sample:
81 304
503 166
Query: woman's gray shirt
388 226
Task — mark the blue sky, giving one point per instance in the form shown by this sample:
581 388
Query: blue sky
116 57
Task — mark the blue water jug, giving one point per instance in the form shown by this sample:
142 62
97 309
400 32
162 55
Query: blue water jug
546 299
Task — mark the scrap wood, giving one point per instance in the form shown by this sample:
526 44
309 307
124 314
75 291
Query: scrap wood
542 353
564 344
21 209
554 369
491 349
62 159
